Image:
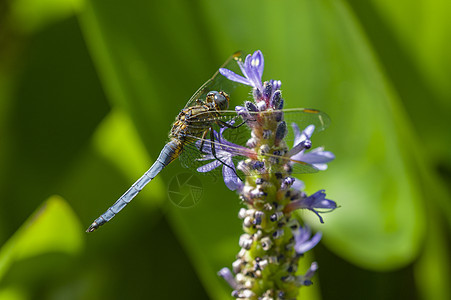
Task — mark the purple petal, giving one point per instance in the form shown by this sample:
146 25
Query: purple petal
233 183
243 112
308 131
303 241
221 130
243 67
306 279
250 71
321 167
206 148
231 180
256 69
298 185
297 132
234 77
208 167
312 270
306 134
260 62
313 202
228 277
206 157
318 200
318 156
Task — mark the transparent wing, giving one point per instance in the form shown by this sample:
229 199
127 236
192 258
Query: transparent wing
193 159
217 82
233 141
303 117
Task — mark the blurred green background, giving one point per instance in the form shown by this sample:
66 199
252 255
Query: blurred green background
89 89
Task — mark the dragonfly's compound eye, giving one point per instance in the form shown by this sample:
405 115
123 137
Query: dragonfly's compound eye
221 99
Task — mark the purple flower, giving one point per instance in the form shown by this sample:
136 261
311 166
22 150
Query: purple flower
228 277
225 151
266 94
303 242
252 69
243 112
313 202
317 157
298 184
306 279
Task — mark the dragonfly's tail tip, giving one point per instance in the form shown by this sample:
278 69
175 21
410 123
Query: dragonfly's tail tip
93 227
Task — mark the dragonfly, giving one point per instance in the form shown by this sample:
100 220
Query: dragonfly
194 129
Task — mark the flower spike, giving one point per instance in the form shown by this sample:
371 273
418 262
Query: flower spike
273 239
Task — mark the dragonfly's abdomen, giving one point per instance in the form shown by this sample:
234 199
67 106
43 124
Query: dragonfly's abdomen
169 152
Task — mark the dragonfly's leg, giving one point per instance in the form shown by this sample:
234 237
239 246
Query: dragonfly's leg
201 148
213 151
225 124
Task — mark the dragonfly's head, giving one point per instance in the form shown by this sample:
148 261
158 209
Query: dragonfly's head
220 99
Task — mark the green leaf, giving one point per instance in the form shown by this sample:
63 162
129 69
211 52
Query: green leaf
432 271
32 15
13 293
52 228
424 43
413 56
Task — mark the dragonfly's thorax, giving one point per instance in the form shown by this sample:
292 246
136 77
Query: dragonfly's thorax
194 121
